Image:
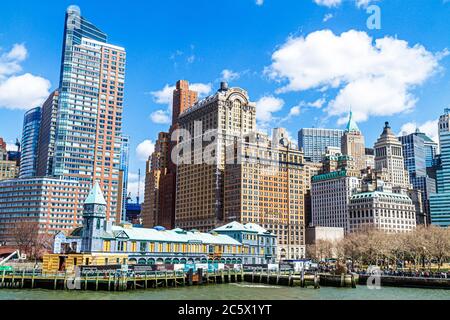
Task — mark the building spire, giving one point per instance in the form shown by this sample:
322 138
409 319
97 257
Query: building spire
352 126
95 195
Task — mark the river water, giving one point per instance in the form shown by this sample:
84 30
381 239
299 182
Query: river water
238 291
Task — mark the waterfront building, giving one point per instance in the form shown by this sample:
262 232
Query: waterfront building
47 136
417 148
233 244
330 198
54 204
90 108
30 139
440 202
382 209
353 144
389 159
268 186
314 142
8 168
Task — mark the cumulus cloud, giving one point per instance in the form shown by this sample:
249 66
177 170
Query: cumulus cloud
295 111
165 96
430 128
23 91
336 3
373 78
266 106
144 150
229 75
327 17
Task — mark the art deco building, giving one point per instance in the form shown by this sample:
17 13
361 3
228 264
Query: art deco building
389 159
267 186
353 144
229 115
90 107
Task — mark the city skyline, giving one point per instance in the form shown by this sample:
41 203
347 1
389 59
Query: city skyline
296 102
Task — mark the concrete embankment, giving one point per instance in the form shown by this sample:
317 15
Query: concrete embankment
407 282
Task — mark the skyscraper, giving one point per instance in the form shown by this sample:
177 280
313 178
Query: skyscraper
30 139
314 142
417 147
47 136
89 118
353 144
8 168
440 202
389 161
123 178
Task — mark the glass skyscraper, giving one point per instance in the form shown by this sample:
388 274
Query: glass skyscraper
314 142
417 153
440 202
89 118
124 164
30 138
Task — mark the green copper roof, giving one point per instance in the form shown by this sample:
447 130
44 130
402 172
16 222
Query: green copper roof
329 176
95 196
352 126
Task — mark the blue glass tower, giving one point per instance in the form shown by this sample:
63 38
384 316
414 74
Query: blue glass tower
314 142
30 139
124 164
440 202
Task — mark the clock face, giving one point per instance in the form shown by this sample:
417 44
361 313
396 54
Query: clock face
101 209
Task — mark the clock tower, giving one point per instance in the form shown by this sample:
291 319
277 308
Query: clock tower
94 220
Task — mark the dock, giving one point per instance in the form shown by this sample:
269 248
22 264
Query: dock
115 281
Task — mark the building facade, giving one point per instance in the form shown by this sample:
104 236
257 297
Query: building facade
47 136
54 204
314 142
90 107
30 139
330 199
268 186
383 210
389 159
8 168
440 202
230 115
233 243
123 178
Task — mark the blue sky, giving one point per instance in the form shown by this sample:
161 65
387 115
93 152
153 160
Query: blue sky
306 62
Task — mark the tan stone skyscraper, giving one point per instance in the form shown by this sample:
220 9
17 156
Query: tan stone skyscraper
353 144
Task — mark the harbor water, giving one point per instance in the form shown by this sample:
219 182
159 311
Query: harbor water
237 291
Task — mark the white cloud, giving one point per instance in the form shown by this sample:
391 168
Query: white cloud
372 78
259 2
328 3
295 111
144 150
161 117
327 17
11 147
229 75
430 128
336 3
24 91
266 106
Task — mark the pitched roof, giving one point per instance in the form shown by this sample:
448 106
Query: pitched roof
352 126
95 195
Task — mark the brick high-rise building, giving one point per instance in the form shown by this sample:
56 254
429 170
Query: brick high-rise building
90 107
353 144
160 185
